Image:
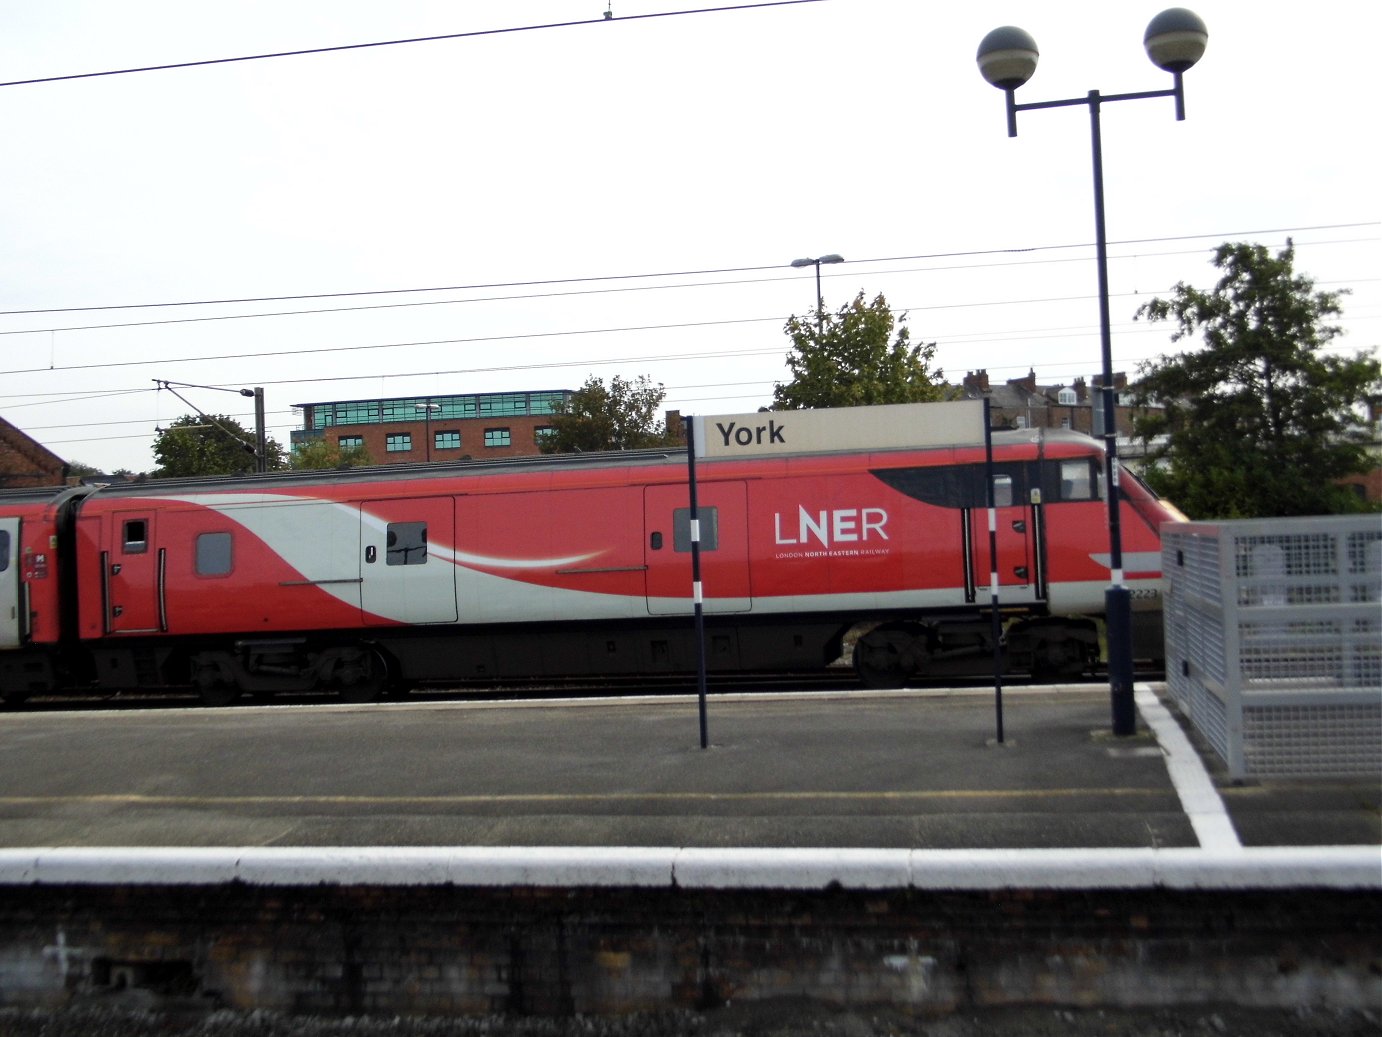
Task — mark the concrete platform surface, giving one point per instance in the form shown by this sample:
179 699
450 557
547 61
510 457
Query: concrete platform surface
907 770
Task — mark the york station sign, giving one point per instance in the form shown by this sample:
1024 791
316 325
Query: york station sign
841 428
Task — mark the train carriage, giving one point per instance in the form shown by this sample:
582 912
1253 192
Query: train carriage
390 578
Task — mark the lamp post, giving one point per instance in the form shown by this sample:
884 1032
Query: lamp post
427 408
1175 39
820 300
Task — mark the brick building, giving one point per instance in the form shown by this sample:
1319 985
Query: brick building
434 428
1368 486
26 462
1022 403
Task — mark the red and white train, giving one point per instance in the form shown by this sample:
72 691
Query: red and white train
377 580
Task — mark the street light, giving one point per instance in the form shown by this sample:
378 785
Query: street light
820 301
428 408
1175 40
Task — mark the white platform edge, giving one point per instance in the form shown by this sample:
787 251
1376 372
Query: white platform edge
1330 867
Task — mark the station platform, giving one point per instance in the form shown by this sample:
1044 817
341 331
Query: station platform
916 771
832 850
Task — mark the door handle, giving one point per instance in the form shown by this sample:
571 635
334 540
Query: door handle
1019 525
371 553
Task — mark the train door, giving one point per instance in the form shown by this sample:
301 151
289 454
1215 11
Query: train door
134 575
1019 578
9 583
723 510
407 560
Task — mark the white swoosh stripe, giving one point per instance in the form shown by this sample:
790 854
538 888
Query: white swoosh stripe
229 505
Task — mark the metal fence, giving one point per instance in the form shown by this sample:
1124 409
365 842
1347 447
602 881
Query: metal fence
1274 641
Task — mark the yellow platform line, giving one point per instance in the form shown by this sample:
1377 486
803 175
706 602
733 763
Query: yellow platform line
140 799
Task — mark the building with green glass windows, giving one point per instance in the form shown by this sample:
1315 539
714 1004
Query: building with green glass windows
434 428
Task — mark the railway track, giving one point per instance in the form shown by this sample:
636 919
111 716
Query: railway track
836 679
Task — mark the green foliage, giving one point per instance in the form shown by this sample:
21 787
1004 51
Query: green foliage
81 470
620 416
1260 422
853 359
319 453
211 444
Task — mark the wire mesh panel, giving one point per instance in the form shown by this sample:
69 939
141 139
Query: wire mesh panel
1310 740
1274 641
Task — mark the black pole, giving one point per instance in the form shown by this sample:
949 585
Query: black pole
1117 599
997 630
261 456
820 305
698 607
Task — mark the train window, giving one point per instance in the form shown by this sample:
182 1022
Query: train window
4 549
214 557
710 529
944 486
136 536
407 543
1078 480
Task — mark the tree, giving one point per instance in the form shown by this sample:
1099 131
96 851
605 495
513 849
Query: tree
210 444
319 453
853 359
620 416
81 470
1260 422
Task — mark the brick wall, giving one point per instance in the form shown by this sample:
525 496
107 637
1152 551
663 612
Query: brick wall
521 429
554 952
25 463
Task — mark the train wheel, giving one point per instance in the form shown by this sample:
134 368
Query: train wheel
217 693
361 677
1053 648
888 655
1059 661
214 680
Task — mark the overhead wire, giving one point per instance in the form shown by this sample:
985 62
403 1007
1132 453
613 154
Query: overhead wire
11 401
535 335
279 353
607 291
1028 334
648 275
307 51
764 387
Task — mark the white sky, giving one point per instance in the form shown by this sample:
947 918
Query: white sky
703 142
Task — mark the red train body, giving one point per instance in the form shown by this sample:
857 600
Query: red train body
380 579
